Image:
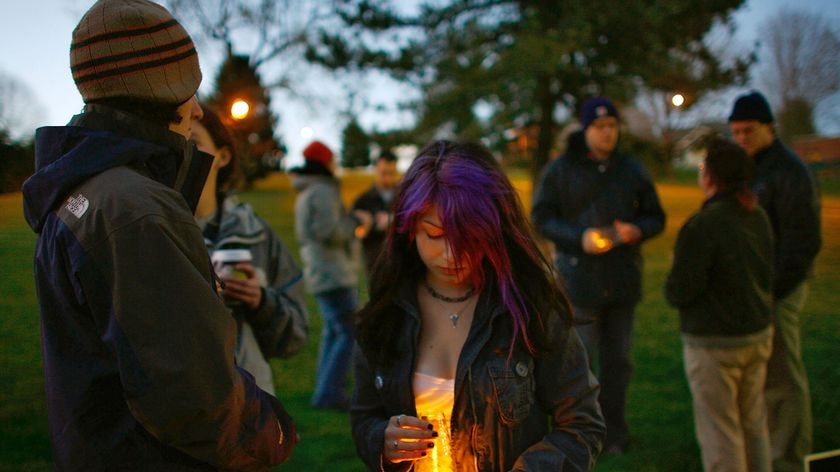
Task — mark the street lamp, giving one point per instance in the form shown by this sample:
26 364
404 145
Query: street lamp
677 100
239 109
306 132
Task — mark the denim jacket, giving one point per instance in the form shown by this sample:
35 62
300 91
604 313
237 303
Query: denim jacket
500 417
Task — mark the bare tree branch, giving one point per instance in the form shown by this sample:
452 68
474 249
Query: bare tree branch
20 111
803 60
263 30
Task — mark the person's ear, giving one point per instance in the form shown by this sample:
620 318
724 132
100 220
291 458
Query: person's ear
224 156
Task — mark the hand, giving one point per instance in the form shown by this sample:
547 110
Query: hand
407 438
246 290
383 220
365 222
628 233
594 241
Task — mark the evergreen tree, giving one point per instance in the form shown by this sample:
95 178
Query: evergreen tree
355 145
488 66
256 144
17 163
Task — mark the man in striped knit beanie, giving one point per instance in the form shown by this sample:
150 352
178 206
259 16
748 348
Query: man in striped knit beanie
138 349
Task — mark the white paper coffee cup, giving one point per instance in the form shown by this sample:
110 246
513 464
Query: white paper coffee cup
225 260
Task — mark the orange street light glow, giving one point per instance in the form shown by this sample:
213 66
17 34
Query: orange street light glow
677 100
239 109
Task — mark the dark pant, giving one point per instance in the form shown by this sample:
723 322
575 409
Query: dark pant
607 335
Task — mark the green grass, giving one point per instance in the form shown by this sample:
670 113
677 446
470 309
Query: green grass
659 403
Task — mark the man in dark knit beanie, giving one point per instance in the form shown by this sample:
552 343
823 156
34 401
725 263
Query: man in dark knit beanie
787 192
137 345
598 206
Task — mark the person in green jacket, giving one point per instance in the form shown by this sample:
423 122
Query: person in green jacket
721 282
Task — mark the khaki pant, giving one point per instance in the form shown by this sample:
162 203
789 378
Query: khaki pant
786 392
730 417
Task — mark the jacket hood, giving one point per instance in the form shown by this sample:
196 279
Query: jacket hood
302 181
239 225
311 167
95 141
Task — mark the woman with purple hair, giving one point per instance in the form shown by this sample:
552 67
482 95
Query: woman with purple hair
467 358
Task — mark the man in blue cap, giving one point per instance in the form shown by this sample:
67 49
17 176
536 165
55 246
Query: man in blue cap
787 192
597 206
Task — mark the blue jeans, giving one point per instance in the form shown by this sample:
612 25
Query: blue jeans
607 337
336 347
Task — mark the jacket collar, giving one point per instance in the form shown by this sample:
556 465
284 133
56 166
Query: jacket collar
719 197
102 138
486 310
578 150
118 122
775 147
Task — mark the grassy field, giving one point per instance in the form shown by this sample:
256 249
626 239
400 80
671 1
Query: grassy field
659 400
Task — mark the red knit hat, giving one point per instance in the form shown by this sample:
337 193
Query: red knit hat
318 152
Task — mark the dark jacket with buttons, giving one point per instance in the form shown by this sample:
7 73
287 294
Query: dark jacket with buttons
522 413
576 193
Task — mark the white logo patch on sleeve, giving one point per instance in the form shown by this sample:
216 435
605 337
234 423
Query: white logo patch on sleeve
77 205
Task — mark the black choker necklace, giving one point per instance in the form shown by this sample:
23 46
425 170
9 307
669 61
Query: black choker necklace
435 294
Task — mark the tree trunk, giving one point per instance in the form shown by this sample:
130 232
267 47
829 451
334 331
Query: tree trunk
545 133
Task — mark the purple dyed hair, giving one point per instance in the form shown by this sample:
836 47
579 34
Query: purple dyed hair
483 222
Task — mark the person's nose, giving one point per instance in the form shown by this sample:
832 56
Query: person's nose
197 112
448 255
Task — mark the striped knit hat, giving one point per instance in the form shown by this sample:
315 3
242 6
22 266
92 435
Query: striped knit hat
133 49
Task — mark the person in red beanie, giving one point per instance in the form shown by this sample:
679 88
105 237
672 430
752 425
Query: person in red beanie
320 153
331 258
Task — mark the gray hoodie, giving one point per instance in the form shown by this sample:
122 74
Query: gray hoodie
326 234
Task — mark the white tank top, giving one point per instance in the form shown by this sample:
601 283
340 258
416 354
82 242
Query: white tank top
433 399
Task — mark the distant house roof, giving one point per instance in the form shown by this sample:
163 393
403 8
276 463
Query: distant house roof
817 148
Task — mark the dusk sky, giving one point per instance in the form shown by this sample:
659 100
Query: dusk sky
36 35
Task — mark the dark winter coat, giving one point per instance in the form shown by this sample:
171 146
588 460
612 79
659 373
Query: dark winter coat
723 270
576 193
787 192
137 347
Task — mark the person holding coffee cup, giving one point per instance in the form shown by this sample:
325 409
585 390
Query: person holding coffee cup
261 282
